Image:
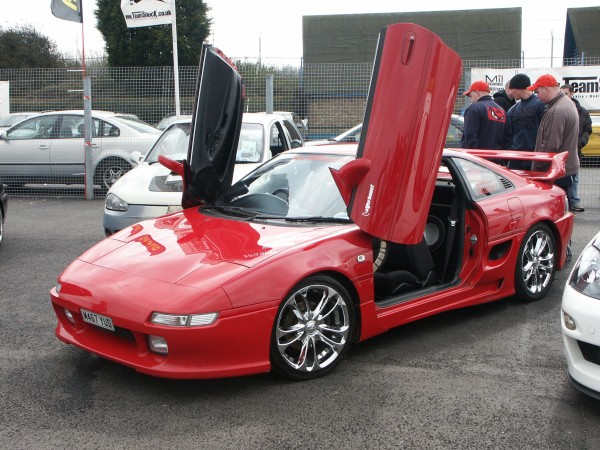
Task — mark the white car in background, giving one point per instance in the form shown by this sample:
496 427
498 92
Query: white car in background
48 148
455 131
151 190
580 320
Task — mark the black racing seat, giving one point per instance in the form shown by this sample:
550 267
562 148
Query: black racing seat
416 270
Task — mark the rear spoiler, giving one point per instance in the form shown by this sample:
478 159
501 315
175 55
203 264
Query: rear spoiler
554 161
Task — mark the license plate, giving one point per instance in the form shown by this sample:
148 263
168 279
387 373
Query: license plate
97 319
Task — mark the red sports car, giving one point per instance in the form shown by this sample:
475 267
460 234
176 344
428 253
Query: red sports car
322 246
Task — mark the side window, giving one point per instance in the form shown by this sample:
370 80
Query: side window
108 129
482 181
71 127
36 128
295 136
278 139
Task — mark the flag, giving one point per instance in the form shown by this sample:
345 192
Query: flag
146 13
67 10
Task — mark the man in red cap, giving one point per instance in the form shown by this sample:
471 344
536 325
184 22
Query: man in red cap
559 129
485 121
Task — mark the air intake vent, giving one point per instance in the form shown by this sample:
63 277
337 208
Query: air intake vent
507 184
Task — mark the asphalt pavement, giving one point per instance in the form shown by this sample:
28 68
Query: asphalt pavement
487 377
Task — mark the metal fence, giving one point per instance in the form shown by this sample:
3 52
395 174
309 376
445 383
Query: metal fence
330 98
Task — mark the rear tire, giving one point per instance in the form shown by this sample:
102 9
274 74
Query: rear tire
536 263
109 171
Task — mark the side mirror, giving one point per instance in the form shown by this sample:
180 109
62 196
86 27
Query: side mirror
136 157
3 135
296 143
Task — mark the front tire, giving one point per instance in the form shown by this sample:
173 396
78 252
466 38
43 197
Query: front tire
536 263
313 329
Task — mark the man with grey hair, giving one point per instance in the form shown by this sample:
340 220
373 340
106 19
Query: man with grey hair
585 130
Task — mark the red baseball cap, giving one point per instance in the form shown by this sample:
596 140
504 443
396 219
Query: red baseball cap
479 86
545 80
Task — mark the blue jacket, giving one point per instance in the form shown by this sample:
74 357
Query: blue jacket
485 126
524 119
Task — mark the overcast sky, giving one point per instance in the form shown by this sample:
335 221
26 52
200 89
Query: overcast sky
240 25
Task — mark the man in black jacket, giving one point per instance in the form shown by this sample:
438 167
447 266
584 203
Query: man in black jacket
485 121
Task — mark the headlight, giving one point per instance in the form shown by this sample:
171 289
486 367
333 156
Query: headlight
114 203
184 320
585 277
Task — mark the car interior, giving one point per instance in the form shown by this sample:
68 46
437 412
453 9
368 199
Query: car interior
402 270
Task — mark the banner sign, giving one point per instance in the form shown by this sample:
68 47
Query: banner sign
67 10
585 80
147 13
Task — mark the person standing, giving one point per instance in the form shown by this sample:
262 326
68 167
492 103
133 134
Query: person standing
559 129
585 130
504 97
524 118
484 120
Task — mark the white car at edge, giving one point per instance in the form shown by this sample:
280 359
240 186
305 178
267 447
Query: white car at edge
580 320
151 190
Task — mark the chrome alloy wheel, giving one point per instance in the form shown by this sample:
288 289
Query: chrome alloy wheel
313 329
537 262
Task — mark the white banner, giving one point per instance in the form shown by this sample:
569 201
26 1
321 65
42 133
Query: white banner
146 13
584 79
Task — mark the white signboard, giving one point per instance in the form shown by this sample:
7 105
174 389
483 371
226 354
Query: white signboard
146 13
584 79
4 98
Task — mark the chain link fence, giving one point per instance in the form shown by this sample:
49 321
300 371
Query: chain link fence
325 99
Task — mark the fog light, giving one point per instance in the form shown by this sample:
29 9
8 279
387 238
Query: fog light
158 345
569 322
70 317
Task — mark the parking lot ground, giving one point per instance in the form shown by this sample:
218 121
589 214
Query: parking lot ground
487 377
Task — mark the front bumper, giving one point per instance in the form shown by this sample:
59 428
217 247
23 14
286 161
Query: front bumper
582 345
237 343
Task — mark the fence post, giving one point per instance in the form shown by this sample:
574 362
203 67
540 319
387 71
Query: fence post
87 138
269 94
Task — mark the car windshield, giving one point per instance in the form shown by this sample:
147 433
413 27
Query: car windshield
173 143
251 144
291 187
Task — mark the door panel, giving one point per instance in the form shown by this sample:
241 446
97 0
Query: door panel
411 97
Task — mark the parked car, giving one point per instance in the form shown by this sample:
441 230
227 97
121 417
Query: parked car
453 137
593 146
49 148
580 319
321 246
3 209
151 190
14 118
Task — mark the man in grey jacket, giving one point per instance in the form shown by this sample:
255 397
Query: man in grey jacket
559 129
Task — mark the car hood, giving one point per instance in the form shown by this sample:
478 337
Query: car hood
172 247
